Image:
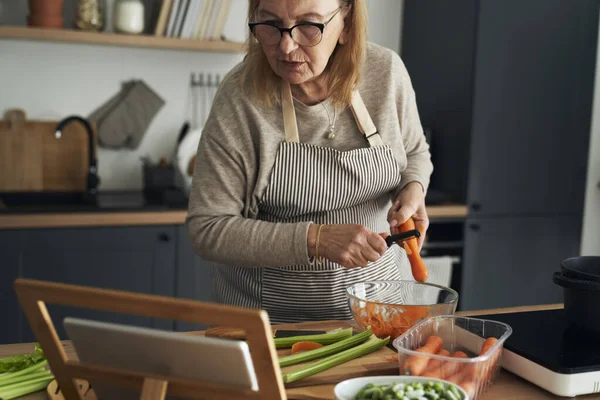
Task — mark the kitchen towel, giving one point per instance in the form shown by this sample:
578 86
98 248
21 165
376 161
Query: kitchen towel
123 120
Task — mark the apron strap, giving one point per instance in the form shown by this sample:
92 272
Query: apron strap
361 115
364 121
289 114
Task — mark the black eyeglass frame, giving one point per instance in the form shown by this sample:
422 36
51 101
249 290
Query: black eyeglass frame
320 25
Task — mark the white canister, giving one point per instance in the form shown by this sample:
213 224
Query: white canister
128 16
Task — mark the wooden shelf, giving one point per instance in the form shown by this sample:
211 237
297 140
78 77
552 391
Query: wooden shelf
114 39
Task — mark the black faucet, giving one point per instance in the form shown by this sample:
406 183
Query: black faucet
92 179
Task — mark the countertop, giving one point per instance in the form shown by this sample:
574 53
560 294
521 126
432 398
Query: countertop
129 209
506 386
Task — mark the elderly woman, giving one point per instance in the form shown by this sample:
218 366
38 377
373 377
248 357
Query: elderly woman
313 151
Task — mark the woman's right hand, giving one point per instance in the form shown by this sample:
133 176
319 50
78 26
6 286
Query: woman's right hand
349 245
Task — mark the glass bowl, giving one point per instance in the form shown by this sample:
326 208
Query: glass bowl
390 308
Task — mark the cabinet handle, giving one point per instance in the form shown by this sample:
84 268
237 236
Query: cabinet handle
475 206
474 227
163 237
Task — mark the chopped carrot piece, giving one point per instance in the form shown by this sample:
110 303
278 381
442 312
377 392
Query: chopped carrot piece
299 347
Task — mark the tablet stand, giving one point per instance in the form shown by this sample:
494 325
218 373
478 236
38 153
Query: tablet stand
33 296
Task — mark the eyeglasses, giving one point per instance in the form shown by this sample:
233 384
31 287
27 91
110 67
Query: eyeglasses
305 34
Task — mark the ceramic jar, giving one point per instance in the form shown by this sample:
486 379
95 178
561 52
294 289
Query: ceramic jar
90 15
46 13
128 16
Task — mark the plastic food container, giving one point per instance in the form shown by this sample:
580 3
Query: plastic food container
476 373
390 308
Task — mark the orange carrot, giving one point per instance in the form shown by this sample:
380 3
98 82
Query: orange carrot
417 364
418 267
299 347
487 345
469 387
434 367
450 367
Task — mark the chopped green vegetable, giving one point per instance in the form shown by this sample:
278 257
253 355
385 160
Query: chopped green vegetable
27 374
325 350
323 338
22 361
417 390
371 345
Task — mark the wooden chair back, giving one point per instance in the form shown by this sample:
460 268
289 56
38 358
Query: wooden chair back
33 296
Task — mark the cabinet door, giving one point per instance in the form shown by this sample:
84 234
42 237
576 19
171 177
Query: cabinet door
193 277
135 259
534 74
10 243
510 261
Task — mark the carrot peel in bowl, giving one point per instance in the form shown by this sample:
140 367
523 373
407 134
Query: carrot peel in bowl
418 267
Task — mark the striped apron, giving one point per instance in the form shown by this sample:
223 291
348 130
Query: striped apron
325 186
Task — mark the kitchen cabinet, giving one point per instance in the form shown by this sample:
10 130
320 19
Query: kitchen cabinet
9 270
506 88
193 277
510 261
136 259
533 90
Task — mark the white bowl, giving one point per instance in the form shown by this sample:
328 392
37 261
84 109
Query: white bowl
348 389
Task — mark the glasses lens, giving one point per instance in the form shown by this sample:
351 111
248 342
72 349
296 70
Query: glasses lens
307 35
267 34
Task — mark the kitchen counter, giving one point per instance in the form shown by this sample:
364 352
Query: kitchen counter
131 214
507 385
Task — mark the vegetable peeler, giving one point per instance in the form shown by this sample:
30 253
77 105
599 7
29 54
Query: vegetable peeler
401 237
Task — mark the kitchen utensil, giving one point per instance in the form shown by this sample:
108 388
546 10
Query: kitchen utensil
390 308
549 351
401 237
457 334
33 160
348 389
582 301
584 267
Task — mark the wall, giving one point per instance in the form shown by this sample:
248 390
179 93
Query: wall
52 80
590 244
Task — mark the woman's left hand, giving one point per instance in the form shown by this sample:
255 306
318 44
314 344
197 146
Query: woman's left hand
409 203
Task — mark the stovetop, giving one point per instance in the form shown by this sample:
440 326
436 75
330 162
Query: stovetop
548 339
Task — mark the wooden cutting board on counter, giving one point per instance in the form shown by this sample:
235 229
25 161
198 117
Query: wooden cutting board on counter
33 160
382 362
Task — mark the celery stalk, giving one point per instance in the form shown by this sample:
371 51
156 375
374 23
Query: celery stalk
25 388
323 338
367 347
326 350
5 379
22 378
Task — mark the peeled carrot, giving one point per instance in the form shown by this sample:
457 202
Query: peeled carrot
434 367
417 364
451 367
418 267
299 347
469 387
487 345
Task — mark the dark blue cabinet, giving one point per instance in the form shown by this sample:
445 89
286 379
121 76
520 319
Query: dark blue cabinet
135 259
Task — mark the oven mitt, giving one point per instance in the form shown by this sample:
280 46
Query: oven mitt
123 120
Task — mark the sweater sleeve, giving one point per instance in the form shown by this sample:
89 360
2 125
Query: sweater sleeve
224 178
419 166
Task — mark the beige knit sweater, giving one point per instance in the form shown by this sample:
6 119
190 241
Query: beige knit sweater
239 144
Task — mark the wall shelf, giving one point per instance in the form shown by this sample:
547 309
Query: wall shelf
114 39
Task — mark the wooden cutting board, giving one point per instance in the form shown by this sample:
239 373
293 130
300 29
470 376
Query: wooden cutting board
382 362
33 160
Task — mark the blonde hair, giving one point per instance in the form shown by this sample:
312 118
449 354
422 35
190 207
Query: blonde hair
343 70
